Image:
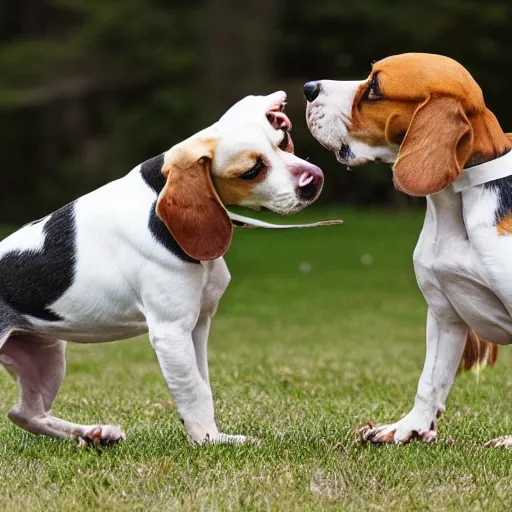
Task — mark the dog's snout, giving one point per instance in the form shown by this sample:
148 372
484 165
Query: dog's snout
310 183
311 90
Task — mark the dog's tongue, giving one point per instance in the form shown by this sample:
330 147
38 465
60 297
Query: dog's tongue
240 221
279 120
305 179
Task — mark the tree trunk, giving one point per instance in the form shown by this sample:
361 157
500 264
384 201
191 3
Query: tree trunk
238 39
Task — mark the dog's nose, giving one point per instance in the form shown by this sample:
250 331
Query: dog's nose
311 90
310 183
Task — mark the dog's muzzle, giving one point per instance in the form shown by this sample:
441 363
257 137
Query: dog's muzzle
310 184
309 178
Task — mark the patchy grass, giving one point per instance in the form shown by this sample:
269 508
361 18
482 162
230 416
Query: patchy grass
320 331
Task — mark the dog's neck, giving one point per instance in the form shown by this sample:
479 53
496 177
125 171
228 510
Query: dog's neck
489 140
491 158
484 172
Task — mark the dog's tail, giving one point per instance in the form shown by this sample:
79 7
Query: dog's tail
477 352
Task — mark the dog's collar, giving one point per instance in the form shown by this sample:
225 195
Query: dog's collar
483 173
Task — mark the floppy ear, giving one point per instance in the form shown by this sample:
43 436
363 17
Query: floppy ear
438 143
189 204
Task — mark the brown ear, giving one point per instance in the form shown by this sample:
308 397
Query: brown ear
189 204
437 145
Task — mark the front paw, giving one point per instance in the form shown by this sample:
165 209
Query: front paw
221 438
200 435
401 432
101 435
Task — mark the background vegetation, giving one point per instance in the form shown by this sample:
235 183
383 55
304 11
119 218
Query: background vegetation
90 88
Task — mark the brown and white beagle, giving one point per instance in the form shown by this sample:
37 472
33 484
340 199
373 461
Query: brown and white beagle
426 115
144 253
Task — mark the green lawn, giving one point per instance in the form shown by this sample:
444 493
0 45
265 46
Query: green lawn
298 358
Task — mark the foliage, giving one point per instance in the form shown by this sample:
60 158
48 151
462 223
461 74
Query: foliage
90 88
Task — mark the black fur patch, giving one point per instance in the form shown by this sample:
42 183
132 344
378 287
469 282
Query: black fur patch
11 320
151 171
32 280
503 187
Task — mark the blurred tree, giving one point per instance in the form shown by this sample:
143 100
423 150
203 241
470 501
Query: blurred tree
239 47
88 88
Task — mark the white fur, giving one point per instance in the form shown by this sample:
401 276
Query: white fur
31 237
463 269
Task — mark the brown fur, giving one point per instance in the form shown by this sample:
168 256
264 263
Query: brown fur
504 227
412 84
477 352
189 204
192 202
438 123
233 190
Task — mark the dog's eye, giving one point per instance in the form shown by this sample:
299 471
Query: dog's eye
373 92
254 171
284 143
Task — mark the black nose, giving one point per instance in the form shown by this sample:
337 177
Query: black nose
311 90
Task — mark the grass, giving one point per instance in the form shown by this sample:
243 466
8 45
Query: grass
320 331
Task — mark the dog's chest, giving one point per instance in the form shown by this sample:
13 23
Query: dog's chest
453 271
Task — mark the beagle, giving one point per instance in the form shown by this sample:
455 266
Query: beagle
426 115
144 253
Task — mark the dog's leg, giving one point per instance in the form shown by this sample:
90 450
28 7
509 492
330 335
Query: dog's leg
445 344
39 367
217 281
175 352
200 339
171 318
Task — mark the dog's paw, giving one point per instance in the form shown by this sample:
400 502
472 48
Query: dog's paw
500 442
221 438
200 435
101 435
400 432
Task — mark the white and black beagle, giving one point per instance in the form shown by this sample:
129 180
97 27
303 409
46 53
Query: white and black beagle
144 253
426 115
